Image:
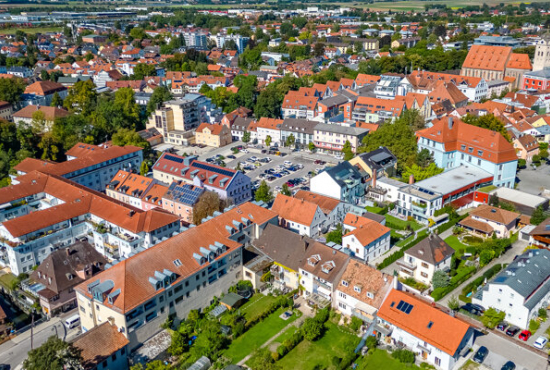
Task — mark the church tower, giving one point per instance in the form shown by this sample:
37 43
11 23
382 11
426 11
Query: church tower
542 53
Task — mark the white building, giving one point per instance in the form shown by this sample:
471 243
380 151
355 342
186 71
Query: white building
520 289
364 238
300 216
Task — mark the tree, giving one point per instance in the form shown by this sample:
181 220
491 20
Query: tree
153 365
420 173
159 96
311 146
268 140
263 193
246 137
82 98
453 303
493 200
144 168
263 360
319 49
138 33
11 89
126 136
492 317
486 256
44 75
141 70
312 329
488 121
54 354
538 216
290 140
348 151
38 122
208 203
285 190
56 100
440 279
335 235
268 103
424 158
126 104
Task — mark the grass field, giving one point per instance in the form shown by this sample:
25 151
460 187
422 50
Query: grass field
318 355
286 334
257 335
256 305
376 210
11 31
381 359
399 222
419 5
456 244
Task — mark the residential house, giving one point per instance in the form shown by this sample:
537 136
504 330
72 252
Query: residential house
241 125
361 291
300 216
343 182
527 147
28 114
6 110
437 337
180 199
334 210
365 239
520 289
269 127
428 256
103 347
380 162
42 92
144 290
486 221
215 135
129 188
296 105
330 138
301 129
454 143
374 110
63 270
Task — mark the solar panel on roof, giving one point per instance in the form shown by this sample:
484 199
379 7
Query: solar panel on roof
405 307
207 167
173 159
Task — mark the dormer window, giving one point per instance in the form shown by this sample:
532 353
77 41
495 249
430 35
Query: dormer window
357 288
370 295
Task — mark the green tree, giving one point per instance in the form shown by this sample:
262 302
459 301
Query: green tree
82 98
263 360
453 303
138 33
246 137
268 103
492 317
144 168
538 216
268 140
420 173
440 279
153 365
348 151
335 235
486 256
126 104
312 329
263 193
290 140
56 100
208 203
488 121
159 96
54 354
44 75
311 146
141 70
126 136
11 89
285 190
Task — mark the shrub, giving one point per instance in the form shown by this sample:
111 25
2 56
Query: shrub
355 323
403 356
281 351
275 356
371 342
322 316
492 317
534 325
336 361
312 329
522 163
542 313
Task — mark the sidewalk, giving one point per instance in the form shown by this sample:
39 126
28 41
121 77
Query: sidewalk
46 325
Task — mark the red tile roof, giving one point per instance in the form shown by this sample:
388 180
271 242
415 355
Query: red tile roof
493 58
44 88
99 343
294 209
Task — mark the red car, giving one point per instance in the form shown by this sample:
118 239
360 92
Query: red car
524 335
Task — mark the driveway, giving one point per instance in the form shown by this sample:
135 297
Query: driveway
534 181
502 350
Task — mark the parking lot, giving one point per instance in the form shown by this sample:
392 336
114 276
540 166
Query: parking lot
288 166
534 181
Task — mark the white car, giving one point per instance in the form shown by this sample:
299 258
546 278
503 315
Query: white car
540 343
244 150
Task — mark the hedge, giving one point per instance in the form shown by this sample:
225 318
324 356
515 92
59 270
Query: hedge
462 275
486 275
451 223
289 344
401 252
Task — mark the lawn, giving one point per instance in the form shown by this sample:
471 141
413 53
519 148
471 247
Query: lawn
286 334
257 335
381 359
256 305
456 244
11 31
6 280
376 210
401 223
318 355
487 189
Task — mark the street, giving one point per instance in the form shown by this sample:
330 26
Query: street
15 351
534 181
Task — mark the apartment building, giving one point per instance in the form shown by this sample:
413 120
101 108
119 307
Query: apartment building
297 105
174 277
44 212
374 110
301 129
365 239
6 110
129 188
93 166
454 143
269 127
343 182
50 114
228 183
300 216
174 118
180 200
42 92
331 138
215 135
424 82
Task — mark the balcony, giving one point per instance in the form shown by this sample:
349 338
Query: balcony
365 317
406 265
423 348
323 286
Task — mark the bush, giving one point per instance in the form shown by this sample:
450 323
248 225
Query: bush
542 313
462 274
371 342
522 163
355 323
312 329
281 351
534 325
492 317
403 356
322 316
401 252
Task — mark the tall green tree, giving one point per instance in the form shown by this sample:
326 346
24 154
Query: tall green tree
347 151
82 98
268 140
54 354
538 216
142 70
285 190
159 96
11 89
56 100
246 137
421 173
263 193
488 121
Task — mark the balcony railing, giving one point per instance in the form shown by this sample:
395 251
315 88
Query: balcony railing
407 265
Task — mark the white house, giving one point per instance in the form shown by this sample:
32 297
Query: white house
269 127
520 289
366 239
438 338
425 258
300 216
343 182
361 291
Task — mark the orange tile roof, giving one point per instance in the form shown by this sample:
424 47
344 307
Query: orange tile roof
130 183
82 149
215 129
295 100
294 209
44 88
364 79
373 105
326 204
155 194
50 113
493 58
131 275
495 148
519 61
99 343
366 231
369 279
269 123
495 214
446 332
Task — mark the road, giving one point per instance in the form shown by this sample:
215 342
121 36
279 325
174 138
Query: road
534 181
15 351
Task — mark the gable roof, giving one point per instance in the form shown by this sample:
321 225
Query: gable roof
366 230
326 263
369 279
50 113
99 343
493 58
495 214
327 204
44 88
293 209
445 332
432 250
519 61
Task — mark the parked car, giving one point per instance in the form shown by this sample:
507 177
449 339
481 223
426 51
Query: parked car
231 156
474 309
502 326
512 331
508 366
244 150
525 335
540 343
290 184
480 355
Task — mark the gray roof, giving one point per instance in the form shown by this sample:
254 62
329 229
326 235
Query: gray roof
528 275
544 130
241 123
432 250
355 131
519 197
544 73
299 125
344 171
334 101
378 158
452 180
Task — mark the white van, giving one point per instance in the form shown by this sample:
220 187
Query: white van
72 322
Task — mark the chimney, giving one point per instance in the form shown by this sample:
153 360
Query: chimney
450 123
411 179
373 184
68 251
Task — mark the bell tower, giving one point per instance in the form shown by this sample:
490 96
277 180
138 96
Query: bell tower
542 53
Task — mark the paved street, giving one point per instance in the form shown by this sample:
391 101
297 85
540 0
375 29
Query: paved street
502 350
534 181
14 352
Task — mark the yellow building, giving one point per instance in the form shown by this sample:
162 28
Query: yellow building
213 135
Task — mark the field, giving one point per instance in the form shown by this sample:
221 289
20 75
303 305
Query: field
380 359
257 335
256 305
11 31
318 355
391 220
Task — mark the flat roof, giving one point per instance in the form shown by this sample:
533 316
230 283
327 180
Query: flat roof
519 197
452 180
